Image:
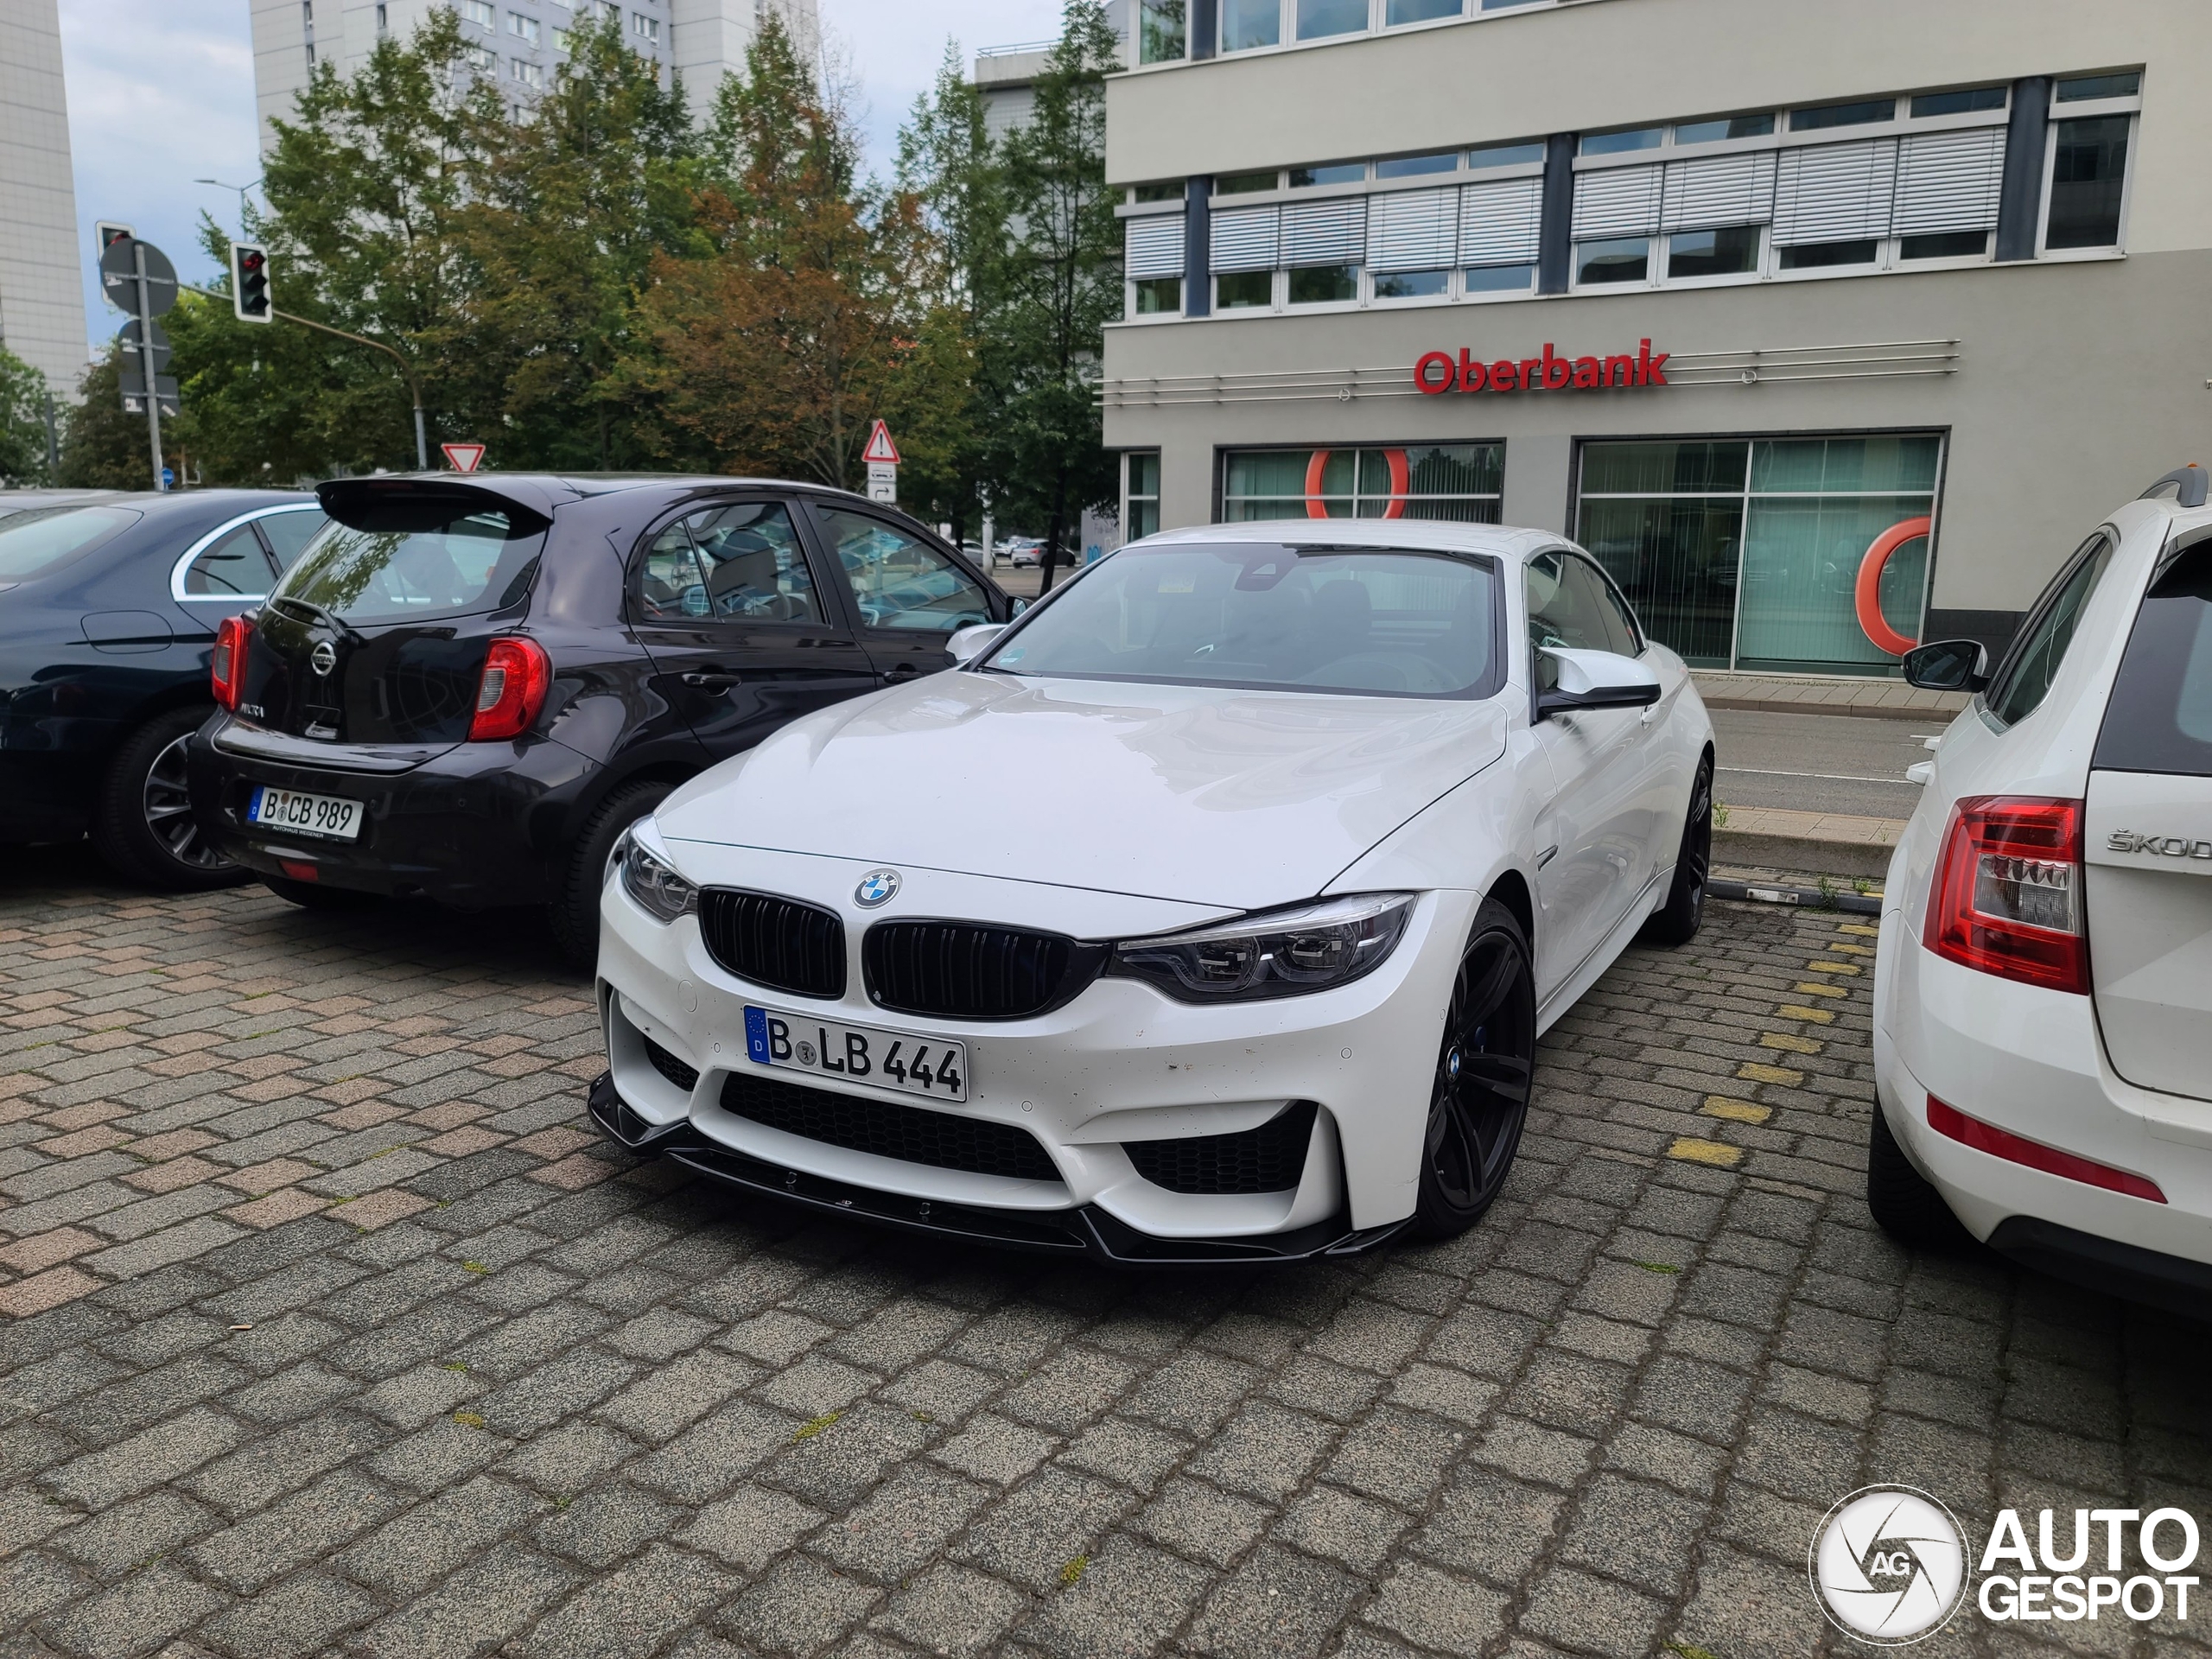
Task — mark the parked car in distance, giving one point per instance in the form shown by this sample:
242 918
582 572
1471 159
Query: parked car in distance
109 608
2042 985
468 690
1211 913
1022 552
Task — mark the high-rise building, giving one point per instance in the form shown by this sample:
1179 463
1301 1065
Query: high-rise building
521 44
41 301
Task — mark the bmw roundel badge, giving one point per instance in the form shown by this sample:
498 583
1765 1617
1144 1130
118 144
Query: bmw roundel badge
877 888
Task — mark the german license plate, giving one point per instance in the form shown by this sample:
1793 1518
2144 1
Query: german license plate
889 1059
327 816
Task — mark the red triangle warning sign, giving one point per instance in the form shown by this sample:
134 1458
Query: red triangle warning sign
463 457
880 448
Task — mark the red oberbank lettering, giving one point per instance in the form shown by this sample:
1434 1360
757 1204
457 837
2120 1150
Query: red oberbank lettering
1439 372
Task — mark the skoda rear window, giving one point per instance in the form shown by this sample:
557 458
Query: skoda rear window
2160 715
1266 617
46 539
409 563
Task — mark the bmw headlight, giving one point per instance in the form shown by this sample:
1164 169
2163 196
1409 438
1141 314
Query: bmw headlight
649 878
1281 953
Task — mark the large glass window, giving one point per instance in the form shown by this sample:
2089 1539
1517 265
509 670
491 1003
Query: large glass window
1746 553
1419 11
2089 170
1456 482
1160 34
1247 24
1324 284
1271 617
1318 19
1140 494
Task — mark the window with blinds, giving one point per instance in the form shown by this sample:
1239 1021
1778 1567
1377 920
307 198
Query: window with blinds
1835 193
1153 246
1500 223
1329 232
1620 202
1245 239
1948 181
1414 229
1717 190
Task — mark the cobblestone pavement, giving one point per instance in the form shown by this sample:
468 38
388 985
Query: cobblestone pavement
335 1330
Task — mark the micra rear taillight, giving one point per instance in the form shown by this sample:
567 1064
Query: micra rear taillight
226 665
2007 895
517 675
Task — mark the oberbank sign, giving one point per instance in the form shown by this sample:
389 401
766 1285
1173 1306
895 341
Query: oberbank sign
1891 1566
1438 372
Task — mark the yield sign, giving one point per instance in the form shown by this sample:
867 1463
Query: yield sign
879 446
463 457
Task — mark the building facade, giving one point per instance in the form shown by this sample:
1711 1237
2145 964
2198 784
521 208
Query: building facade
1826 328
521 44
42 304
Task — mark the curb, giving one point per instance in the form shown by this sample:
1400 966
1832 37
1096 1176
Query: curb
1773 706
1801 853
1761 892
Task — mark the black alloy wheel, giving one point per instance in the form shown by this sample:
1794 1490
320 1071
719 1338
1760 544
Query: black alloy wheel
1484 1070
143 825
1676 922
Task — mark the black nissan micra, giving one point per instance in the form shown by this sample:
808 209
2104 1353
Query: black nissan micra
108 606
468 689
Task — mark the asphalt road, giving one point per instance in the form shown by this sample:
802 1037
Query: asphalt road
1819 763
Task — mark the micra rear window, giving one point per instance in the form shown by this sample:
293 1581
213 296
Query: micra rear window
410 565
2160 716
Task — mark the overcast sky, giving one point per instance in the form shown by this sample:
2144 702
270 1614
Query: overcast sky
161 94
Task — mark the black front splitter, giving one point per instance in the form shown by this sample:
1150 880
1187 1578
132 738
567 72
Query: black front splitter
1087 1231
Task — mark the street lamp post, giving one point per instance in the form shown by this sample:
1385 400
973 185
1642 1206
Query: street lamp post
241 189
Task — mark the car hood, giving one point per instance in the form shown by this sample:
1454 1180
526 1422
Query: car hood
1234 799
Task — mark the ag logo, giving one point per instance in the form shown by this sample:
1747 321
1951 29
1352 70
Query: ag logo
876 888
1889 1565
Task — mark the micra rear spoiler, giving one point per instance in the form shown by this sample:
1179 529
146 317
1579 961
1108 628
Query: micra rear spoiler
422 504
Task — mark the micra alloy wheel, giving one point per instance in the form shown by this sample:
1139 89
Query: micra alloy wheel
144 826
1483 1069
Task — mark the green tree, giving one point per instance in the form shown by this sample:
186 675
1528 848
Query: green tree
569 210
102 446
807 317
23 421
1048 294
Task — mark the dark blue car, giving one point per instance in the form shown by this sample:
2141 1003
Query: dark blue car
108 609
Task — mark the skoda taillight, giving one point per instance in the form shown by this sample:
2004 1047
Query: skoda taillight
2007 895
227 665
517 675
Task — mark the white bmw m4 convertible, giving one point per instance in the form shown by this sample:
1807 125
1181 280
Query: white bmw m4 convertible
1208 912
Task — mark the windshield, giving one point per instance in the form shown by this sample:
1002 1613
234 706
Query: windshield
1266 616
34 542
474 561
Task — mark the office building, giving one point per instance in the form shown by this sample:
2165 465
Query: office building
42 295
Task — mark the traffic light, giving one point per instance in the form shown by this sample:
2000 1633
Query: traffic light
249 284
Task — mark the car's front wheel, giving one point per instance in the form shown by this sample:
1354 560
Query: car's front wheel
143 825
575 912
1480 1095
1676 921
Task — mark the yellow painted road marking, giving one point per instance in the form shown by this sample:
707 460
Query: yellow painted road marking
1713 1153
1736 1111
1819 1016
1851 949
1822 990
1752 1071
1795 1045
1863 932
1816 966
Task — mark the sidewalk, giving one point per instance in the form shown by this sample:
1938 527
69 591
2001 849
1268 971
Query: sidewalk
1824 843
1811 694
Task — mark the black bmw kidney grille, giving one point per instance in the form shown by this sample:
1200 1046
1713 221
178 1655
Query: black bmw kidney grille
964 970
1270 1159
887 1129
774 942
683 1076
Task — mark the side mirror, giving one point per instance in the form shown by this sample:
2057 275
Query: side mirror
966 646
1592 679
1020 606
1948 665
